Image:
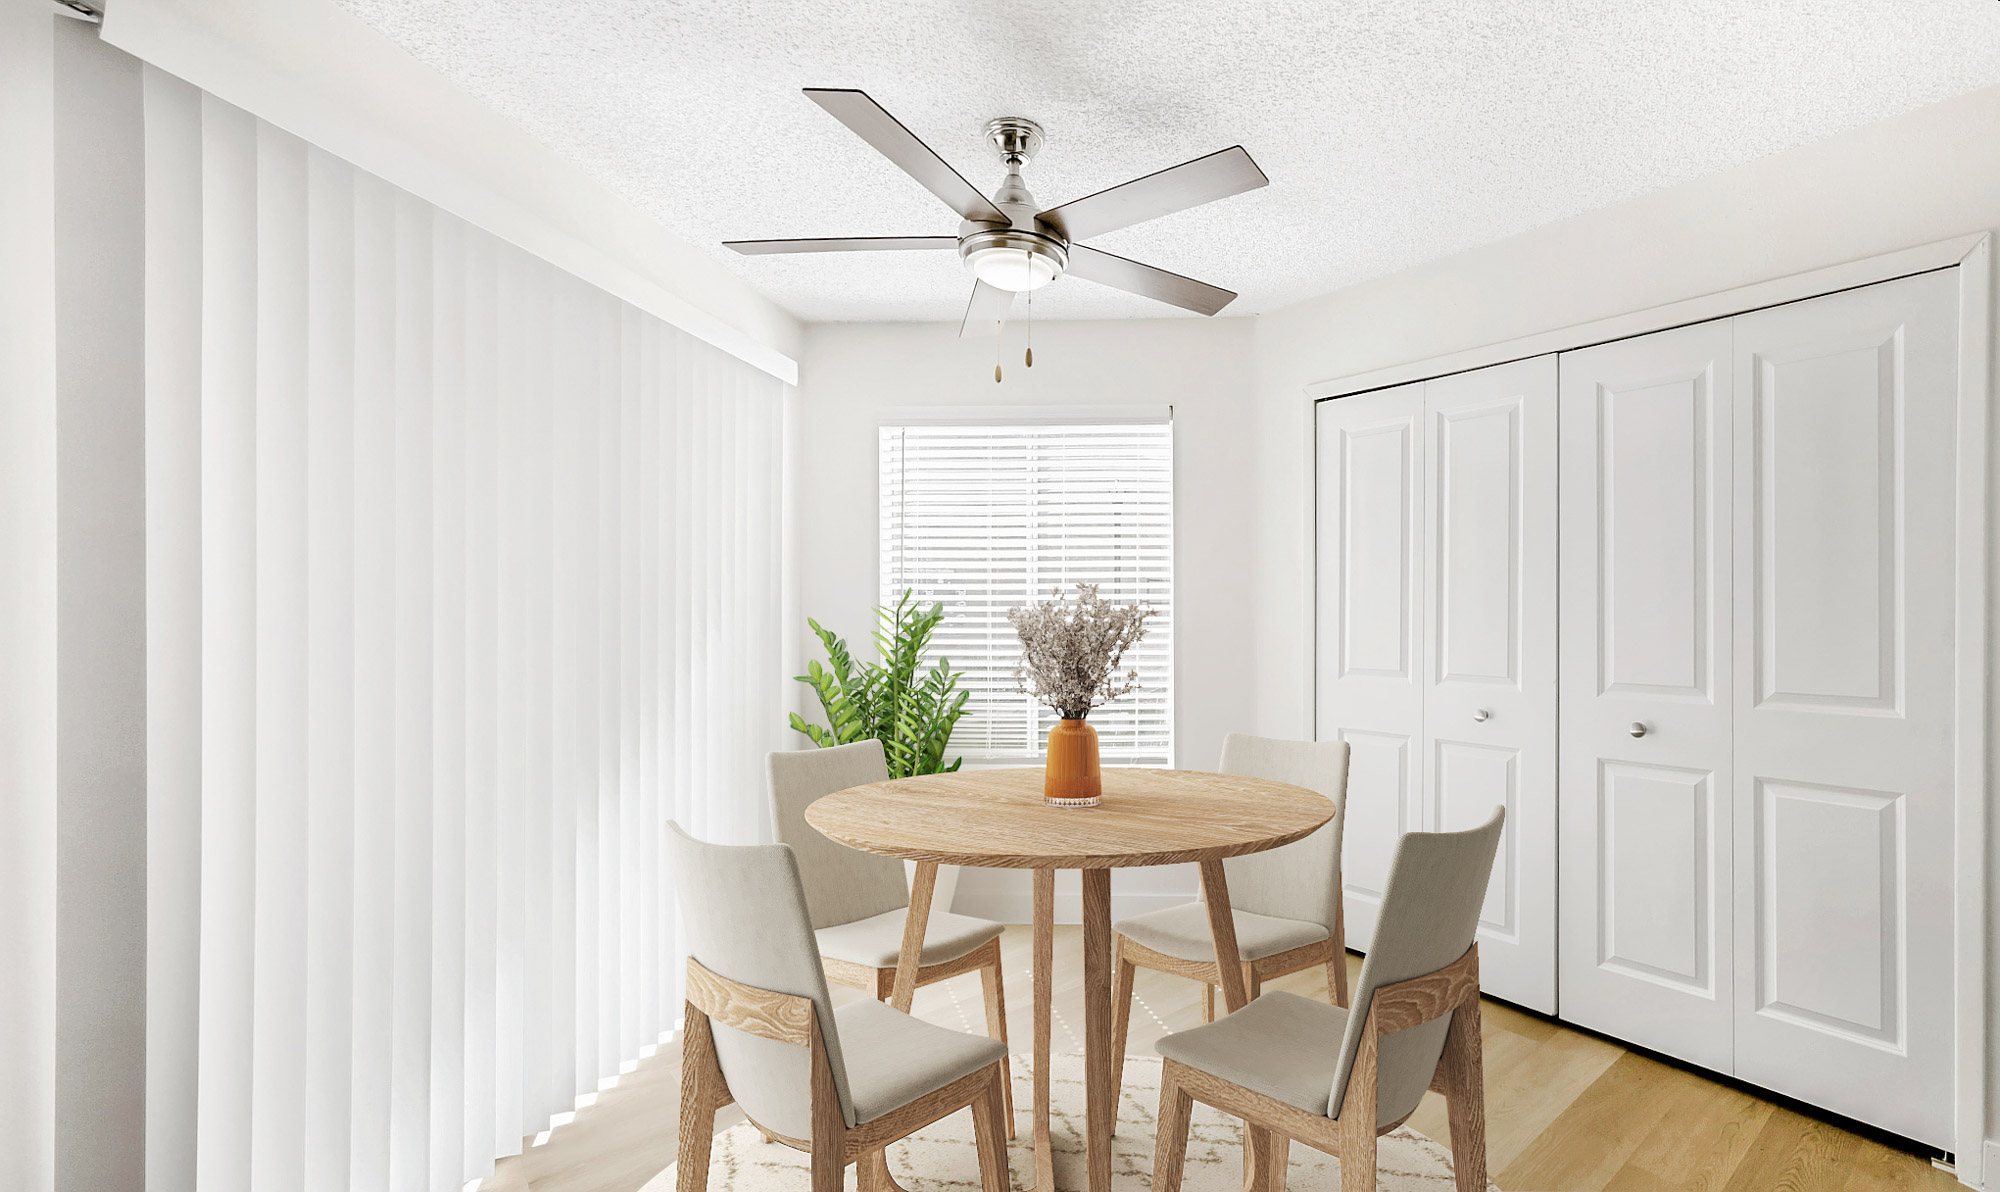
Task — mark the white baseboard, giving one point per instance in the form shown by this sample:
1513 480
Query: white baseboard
1007 906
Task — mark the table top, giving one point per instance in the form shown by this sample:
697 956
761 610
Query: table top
997 819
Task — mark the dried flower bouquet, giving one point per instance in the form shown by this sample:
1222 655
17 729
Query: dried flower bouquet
1070 653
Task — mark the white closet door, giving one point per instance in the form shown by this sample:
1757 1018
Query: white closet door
1370 649
1844 524
1647 671
1490 654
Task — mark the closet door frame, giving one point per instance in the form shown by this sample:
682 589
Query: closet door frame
1973 736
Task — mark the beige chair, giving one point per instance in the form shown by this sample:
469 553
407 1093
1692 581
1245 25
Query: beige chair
1335 1079
860 901
761 1031
1286 902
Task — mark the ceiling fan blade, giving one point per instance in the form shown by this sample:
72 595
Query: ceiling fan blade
757 248
1108 269
986 312
1176 188
876 126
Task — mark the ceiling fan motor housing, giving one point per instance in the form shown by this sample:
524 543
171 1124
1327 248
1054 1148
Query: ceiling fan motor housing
1024 255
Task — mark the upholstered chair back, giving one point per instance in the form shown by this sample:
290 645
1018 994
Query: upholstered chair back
842 884
1302 879
1430 913
744 912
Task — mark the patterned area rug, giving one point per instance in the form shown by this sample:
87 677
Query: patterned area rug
940 1156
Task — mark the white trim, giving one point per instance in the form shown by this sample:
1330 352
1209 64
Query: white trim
319 73
1942 254
1118 415
1309 551
1974 731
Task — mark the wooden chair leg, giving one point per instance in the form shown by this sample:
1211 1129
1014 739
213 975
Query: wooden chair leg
1252 986
1281 1161
871 1172
1207 1002
1357 1159
1356 1124
1259 1145
988 1138
1465 1100
700 1076
1121 1022
1170 1149
991 979
829 1128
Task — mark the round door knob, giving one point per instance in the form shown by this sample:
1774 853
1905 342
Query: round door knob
1481 714
1638 728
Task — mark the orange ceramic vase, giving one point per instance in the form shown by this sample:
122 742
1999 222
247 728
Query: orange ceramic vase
1072 777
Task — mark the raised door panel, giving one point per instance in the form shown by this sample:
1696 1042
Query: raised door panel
1375 563
1655 875
1381 769
1645 648
1826 488
1369 664
1845 523
1489 617
1830 908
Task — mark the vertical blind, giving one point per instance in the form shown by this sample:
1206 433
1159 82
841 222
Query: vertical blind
463 578
987 518
28 604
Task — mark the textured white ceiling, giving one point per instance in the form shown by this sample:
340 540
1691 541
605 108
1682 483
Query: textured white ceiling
1393 131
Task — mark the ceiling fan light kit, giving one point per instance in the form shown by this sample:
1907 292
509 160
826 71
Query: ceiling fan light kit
1009 241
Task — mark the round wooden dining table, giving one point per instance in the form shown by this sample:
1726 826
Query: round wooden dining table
997 819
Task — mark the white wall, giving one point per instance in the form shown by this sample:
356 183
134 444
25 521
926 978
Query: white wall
1922 177
851 372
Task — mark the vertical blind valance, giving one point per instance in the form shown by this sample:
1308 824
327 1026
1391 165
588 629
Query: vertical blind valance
987 518
463 578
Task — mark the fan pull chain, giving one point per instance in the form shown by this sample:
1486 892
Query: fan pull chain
998 327
1031 329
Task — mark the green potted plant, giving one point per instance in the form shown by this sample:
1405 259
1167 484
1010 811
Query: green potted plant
909 709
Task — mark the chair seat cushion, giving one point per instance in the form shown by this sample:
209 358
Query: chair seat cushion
1283 1046
877 941
1182 932
892 1058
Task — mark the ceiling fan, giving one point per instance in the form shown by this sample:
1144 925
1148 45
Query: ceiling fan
1013 244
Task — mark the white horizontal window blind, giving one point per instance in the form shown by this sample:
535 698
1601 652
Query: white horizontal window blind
463 578
987 518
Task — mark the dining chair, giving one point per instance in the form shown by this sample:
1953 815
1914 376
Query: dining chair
761 1031
860 901
1335 1078
1286 902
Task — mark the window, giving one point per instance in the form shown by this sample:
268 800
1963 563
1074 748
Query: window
989 517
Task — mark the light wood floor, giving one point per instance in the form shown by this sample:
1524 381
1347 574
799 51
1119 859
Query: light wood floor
1565 1111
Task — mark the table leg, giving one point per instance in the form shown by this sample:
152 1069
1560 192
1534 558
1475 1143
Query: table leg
1222 926
912 954
1045 963
1100 1087
1235 995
